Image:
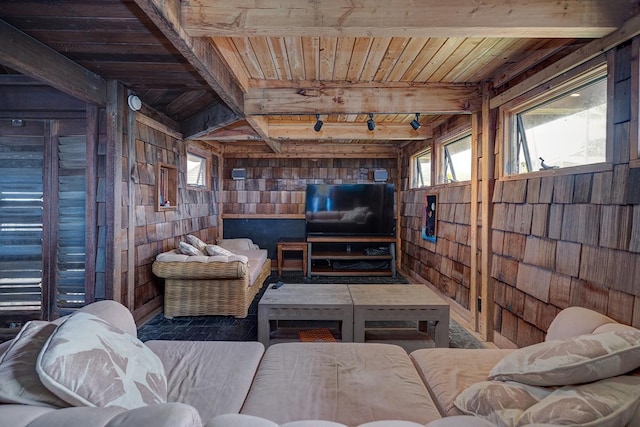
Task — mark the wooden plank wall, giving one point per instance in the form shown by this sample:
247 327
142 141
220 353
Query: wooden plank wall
276 186
557 240
157 232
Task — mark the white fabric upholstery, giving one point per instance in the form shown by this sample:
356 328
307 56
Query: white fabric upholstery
349 383
212 376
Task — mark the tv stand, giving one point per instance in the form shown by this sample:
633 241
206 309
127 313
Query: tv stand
343 252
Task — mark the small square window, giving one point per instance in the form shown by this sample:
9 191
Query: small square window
421 169
196 170
456 156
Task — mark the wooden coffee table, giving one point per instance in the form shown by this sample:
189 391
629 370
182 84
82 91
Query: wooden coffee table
399 303
305 302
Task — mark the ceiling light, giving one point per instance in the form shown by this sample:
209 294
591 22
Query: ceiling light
415 124
134 103
318 124
371 125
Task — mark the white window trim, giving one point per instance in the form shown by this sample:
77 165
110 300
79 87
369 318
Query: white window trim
195 151
413 169
557 87
440 146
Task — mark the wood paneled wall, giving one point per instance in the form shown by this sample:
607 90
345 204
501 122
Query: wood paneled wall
557 240
277 186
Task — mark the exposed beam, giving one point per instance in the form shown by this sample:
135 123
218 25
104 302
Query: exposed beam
261 126
214 117
629 30
348 131
34 59
312 150
406 18
200 53
425 99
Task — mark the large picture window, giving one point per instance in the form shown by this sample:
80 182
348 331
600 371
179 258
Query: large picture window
564 130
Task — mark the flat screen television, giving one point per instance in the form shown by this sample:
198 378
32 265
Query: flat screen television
350 210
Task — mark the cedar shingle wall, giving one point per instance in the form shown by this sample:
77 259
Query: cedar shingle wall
156 232
557 241
277 185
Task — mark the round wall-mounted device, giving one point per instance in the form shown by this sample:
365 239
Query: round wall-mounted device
134 103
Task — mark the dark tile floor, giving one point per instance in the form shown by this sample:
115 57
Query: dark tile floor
226 328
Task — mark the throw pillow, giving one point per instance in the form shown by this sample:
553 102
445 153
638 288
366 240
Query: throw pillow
196 243
89 362
578 360
607 403
19 382
239 244
188 249
213 250
502 403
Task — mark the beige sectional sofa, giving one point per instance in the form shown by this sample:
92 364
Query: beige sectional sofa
204 285
53 374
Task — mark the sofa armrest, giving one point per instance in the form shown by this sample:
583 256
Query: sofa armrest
575 321
161 415
115 313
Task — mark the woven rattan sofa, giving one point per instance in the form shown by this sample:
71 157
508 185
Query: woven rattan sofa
211 285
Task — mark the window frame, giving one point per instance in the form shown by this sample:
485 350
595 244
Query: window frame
558 87
446 159
198 152
415 170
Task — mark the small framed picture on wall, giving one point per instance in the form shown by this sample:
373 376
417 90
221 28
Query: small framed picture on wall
430 217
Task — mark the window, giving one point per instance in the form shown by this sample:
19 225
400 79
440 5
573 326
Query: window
421 169
568 129
456 157
196 170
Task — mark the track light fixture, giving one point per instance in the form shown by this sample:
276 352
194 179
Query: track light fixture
415 124
318 124
371 125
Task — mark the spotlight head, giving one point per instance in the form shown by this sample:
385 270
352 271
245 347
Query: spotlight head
318 124
371 125
415 124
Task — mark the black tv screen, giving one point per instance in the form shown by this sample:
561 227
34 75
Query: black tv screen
350 210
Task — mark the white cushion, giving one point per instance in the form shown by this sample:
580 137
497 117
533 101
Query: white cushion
499 402
607 403
88 362
576 360
188 249
239 244
213 250
196 243
19 381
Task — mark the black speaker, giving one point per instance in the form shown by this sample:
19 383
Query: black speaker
238 173
380 175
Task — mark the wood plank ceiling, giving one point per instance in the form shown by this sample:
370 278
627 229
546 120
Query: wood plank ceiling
275 64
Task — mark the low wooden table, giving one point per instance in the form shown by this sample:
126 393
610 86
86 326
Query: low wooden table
305 302
399 302
291 245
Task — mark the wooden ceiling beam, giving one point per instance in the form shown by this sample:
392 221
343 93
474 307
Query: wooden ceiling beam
312 150
165 14
261 126
348 99
348 131
214 117
406 18
32 58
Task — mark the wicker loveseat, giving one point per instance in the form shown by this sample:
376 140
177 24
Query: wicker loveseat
212 285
